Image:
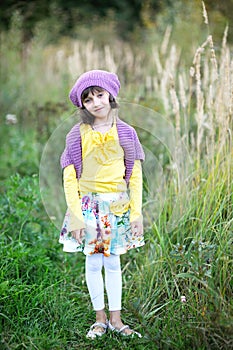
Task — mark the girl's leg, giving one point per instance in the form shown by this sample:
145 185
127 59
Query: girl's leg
113 283
94 279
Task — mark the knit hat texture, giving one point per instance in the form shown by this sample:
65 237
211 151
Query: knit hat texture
106 80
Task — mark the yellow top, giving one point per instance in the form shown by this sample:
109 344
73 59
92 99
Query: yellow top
102 171
102 161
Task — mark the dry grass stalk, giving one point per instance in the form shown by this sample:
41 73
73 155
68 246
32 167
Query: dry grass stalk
184 104
231 89
200 101
224 40
204 12
166 40
182 93
109 59
175 106
213 60
157 61
223 100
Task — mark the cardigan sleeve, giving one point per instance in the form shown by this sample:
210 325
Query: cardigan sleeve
72 198
139 153
72 153
65 159
135 191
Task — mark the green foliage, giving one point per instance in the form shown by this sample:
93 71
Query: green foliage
43 296
128 16
126 13
19 151
190 260
36 281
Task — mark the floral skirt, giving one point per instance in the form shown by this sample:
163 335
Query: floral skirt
105 232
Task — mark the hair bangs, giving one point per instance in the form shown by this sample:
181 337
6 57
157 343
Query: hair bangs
91 89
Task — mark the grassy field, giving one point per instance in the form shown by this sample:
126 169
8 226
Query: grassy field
44 303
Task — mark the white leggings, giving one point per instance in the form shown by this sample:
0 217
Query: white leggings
113 281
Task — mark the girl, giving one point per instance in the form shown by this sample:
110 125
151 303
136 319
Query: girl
101 164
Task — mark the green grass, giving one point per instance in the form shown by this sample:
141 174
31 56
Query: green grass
44 299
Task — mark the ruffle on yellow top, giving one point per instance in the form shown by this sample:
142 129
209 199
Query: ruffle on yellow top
105 146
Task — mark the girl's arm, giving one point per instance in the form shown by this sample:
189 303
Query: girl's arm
72 198
135 188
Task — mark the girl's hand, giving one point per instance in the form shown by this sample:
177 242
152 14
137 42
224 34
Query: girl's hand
137 228
78 235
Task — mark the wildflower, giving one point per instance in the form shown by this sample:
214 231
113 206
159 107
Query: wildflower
183 299
11 119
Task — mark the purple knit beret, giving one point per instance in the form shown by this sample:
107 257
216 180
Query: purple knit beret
106 80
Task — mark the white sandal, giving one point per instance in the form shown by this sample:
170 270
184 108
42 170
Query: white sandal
93 333
122 329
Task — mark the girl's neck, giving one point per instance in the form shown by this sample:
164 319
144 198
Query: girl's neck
101 123
103 127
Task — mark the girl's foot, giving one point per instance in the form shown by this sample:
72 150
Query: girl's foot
97 330
123 329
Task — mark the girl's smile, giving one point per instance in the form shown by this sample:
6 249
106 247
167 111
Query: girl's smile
97 103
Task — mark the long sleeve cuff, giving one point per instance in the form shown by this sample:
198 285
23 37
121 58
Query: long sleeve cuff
135 188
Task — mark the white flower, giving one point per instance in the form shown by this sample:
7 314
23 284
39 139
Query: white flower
183 299
11 119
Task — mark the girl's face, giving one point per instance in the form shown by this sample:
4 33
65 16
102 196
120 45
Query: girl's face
97 103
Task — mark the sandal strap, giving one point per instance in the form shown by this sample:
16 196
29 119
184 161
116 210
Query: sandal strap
133 331
99 324
122 328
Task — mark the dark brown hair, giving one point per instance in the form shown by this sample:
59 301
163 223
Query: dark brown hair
87 117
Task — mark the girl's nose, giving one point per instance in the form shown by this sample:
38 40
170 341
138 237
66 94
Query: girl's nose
96 101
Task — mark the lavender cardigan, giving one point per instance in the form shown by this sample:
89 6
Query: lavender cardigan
128 139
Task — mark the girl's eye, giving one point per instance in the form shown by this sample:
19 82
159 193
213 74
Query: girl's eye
100 95
87 100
